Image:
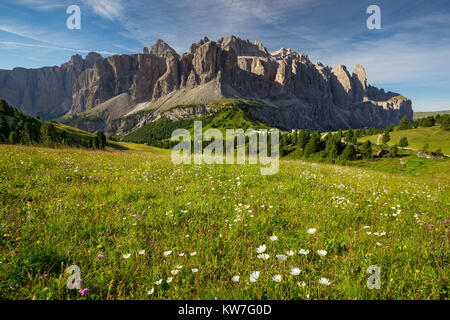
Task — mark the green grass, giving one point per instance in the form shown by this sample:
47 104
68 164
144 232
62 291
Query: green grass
230 115
418 137
62 207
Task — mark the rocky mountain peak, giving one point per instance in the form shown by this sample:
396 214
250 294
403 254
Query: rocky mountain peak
243 47
196 45
304 95
161 49
359 79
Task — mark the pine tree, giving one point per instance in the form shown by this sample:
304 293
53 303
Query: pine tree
349 153
313 144
4 126
349 136
49 134
386 137
404 124
445 123
403 143
366 149
303 138
100 140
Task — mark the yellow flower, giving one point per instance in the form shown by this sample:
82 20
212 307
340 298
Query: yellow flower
417 271
38 242
99 246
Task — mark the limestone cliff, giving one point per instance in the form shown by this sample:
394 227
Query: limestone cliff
296 92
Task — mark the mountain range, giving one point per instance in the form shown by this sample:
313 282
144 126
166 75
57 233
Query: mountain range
121 93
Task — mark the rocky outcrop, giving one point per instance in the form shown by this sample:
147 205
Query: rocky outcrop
162 49
44 92
133 74
294 92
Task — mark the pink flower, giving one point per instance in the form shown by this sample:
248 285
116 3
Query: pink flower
430 226
446 221
84 292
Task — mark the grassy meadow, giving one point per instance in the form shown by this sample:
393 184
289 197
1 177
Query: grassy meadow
417 138
140 228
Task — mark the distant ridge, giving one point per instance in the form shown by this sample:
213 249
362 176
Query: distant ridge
423 114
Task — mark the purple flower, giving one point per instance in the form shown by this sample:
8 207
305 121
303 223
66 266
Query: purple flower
446 221
100 256
84 292
430 226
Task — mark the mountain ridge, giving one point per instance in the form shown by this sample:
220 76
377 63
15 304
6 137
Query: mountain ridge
304 94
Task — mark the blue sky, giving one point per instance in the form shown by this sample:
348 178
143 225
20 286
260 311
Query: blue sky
409 55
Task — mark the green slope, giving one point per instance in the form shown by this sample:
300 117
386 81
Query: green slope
417 138
227 114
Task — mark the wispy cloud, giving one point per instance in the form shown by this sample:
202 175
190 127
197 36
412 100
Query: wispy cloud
14 44
43 5
108 9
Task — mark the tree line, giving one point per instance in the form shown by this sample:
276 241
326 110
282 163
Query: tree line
18 128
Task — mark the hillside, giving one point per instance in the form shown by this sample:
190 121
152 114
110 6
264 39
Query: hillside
222 115
417 138
418 115
17 127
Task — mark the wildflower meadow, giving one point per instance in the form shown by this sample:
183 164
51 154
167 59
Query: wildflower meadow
135 226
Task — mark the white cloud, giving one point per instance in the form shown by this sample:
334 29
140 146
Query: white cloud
108 9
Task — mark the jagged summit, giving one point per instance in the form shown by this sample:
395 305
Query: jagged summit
162 49
296 92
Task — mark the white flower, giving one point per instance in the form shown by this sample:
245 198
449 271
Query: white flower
322 253
311 230
126 256
303 251
263 256
169 280
261 249
167 253
282 257
301 284
235 278
193 253
378 244
277 278
179 267
274 238
254 276
324 281
194 270
181 254
366 227
290 253
174 272
158 282
141 252
295 271
149 293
